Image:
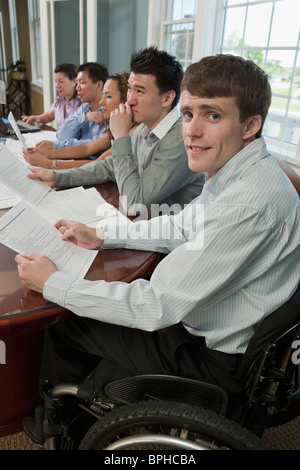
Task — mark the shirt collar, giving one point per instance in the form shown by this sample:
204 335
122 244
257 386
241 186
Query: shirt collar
163 126
87 107
237 165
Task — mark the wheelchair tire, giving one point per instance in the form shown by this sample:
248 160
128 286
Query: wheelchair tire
163 425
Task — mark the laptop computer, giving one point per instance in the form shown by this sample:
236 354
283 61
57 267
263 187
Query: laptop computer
6 129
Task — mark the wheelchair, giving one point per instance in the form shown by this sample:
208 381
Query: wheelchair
157 412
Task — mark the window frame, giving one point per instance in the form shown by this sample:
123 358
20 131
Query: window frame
208 39
186 61
14 30
287 151
37 79
3 65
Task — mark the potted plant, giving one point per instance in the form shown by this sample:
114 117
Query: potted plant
18 69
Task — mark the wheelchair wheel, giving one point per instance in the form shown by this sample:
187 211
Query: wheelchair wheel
167 426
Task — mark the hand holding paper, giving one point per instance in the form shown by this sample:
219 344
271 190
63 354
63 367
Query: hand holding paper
23 230
14 125
13 174
34 270
80 234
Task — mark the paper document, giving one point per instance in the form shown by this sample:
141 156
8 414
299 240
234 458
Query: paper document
86 206
16 148
7 197
14 125
31 139
13 174
79 204
23 230
34 138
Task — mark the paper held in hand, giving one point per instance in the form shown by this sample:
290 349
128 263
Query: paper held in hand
29 225
23 230
14 125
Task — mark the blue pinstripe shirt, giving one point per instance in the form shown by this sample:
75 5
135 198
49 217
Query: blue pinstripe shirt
77 130
233 258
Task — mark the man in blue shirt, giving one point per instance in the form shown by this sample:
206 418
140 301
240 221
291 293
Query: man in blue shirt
86 123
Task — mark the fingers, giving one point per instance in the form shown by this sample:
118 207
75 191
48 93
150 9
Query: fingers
123 109
35 173
69 234
67 228
34 270
47 176
63 224
24 260
26 256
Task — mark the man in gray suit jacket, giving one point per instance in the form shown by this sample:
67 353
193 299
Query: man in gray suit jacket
150 166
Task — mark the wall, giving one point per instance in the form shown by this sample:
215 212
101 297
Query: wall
128 24
66 18
121 29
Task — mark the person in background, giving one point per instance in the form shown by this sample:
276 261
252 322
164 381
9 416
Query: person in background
66 103
114 93
150 166
87 123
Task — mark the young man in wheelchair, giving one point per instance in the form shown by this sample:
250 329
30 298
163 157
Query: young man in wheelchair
233 254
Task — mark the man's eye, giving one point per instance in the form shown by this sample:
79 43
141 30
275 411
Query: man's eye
187 115
214 117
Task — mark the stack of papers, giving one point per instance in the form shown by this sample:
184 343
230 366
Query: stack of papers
24 230
8 197
28 226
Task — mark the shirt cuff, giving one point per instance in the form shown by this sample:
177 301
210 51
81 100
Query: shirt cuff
121 146
57 145
57 286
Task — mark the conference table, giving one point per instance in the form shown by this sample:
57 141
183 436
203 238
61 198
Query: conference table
25 314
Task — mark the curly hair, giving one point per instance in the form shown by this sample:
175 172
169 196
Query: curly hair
122 81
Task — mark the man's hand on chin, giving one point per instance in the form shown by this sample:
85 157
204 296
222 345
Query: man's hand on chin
34 270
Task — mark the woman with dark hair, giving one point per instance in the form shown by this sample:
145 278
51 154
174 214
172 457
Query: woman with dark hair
67 101
114 93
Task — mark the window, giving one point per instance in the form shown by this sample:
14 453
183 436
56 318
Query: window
266 31
3 71
179 29
14 30
35 42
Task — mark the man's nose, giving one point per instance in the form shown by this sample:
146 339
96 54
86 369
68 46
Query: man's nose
131 98
194 128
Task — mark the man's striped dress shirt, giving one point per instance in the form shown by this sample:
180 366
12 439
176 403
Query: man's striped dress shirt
219 278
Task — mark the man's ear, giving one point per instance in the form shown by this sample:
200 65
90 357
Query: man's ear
100 85
252 126
169 97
